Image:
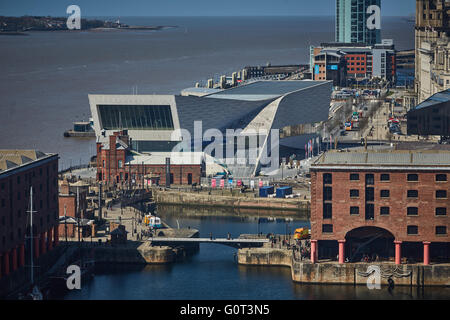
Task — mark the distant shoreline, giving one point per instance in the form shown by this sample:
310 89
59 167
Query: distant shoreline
13 33
131 28
22 25
155 28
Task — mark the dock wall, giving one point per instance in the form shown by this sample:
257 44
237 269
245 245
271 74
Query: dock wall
349 273
291 206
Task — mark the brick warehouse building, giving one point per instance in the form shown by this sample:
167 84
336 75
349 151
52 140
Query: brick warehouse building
386 203
20 170
117 163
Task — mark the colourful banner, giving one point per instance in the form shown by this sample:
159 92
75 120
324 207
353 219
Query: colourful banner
222 183
213 183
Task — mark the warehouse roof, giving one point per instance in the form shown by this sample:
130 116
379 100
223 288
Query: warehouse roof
159 158
10 159
384 158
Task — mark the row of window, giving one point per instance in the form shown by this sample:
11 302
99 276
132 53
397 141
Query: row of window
387 177
410 230
410 211
28 176
356 69
440 194
119 164
355 58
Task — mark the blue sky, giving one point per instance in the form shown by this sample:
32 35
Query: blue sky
191 7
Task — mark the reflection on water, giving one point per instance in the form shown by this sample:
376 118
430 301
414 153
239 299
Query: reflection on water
213 274
240 213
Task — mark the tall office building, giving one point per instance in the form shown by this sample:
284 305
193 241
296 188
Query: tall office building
355 21
432 47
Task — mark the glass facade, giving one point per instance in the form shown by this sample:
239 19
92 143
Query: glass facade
351 21
135 117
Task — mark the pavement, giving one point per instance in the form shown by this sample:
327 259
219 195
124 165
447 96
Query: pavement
129 217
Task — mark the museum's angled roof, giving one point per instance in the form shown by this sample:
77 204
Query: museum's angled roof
440 97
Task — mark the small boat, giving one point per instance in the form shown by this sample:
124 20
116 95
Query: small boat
81 129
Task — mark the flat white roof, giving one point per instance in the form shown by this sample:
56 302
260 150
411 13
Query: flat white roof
159 158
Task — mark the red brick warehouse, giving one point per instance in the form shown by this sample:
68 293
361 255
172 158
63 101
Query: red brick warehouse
117 163
390 204
19 171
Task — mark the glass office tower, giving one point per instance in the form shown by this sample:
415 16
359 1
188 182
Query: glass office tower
351 22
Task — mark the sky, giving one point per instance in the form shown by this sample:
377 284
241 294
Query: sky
191 7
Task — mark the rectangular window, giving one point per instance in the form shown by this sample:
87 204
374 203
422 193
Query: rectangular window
120 164
413 177
385 177
327 194
136 117
370 180
413 230
412 211
327 211
384 193
370 211
441 230
327 228
354 193
327 178
354 210
384 211
370 194
354 177
413 194
441 177
441 211
441 194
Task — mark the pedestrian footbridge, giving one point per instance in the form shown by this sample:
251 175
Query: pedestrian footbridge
235 243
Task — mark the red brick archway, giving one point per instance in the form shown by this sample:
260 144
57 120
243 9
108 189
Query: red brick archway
370 241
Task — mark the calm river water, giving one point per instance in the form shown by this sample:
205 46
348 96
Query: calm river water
212 273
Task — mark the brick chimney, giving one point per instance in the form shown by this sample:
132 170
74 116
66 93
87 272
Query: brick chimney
112 142
64 187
